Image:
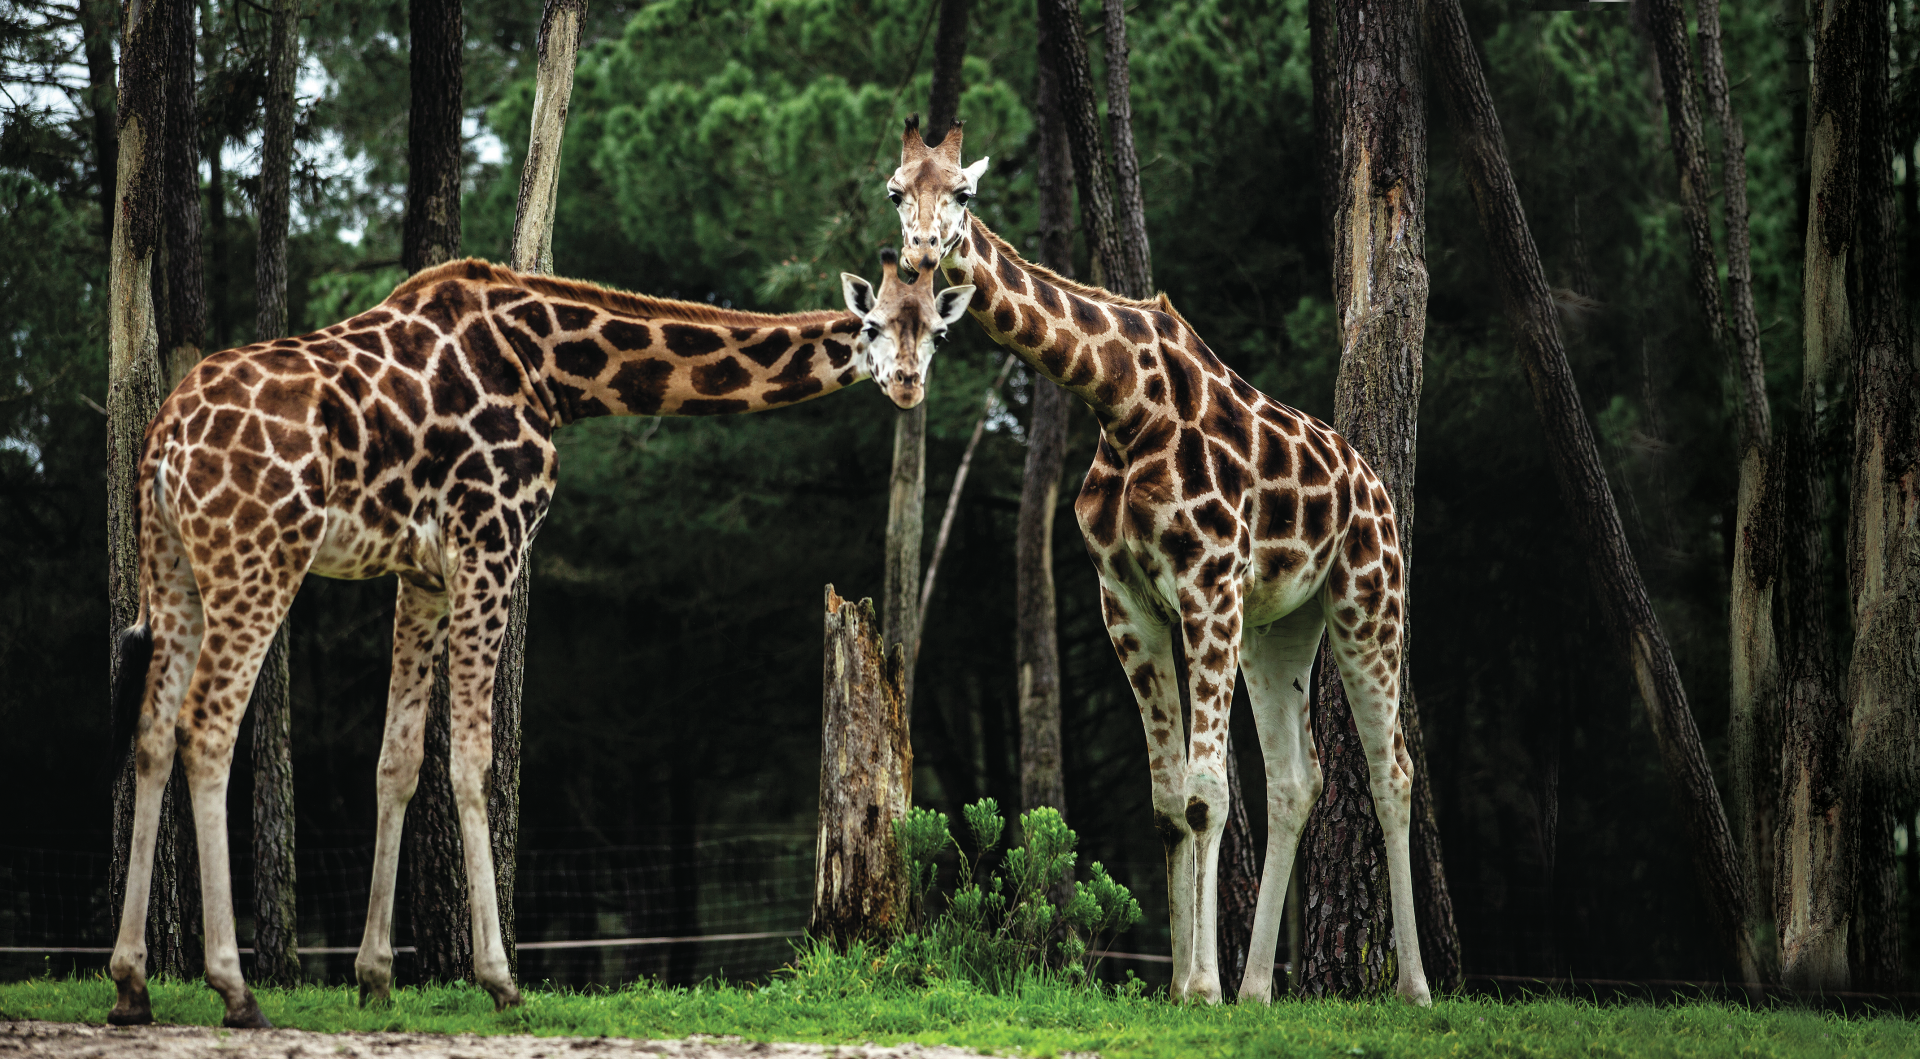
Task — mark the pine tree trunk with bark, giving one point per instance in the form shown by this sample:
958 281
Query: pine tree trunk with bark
276 934
1380 292
136 382
1324 62
1615 577
97 20
183 332
1753 725
1882 688
442 932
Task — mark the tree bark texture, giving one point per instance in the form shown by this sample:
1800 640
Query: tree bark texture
184 330
1882 688
1814 877
949 55
135 385
432 230
276 934
1325 60
1432 895
1380 291
1616 579
97 19
866 778
558 51
1036 637
1239 861
1754 672
1129 208
436 874
219 301
1064 46
276 168
906 524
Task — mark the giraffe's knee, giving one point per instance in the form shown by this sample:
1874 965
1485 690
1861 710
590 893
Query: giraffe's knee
1170 831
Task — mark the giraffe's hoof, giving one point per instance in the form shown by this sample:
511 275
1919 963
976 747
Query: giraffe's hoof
375 995
134 1008
246 1017
505 997
1417 996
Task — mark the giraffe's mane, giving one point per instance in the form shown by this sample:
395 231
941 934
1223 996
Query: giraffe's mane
616 301
1158 303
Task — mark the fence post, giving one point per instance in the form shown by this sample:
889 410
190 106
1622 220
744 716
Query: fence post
866 777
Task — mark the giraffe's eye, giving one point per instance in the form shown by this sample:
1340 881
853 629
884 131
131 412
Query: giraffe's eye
873 330
940 335
962 197
893 197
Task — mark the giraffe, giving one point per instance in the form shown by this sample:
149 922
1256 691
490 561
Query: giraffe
416 439
1224 526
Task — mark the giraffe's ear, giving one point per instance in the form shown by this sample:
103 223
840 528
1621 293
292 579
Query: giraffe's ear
859 294
973 174
952 302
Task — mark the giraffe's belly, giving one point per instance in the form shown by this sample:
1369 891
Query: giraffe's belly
1267 601
353 551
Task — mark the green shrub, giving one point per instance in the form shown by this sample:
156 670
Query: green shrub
1023 919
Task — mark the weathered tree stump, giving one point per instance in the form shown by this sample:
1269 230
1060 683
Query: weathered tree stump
866 777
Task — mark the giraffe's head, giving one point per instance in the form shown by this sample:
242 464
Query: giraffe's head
900 324
931 191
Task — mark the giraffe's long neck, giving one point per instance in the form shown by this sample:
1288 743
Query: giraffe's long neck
592 352
1135 363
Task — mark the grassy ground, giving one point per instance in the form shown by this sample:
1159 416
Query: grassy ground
843 1005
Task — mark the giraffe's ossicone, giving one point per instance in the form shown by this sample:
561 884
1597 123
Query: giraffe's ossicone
1226 527
415 439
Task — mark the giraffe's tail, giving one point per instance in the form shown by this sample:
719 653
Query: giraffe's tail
129 688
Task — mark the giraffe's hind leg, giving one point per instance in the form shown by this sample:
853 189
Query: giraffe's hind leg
481 592
1278 661
1145 647
1364 631
419 632
175 622
243 613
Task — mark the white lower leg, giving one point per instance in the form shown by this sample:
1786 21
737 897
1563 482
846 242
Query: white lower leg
1179 843
208 782
373 965
1283 842
153 764
1412 984
1204 981
489 952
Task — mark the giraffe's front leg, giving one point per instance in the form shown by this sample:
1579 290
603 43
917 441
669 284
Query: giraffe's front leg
1145 647
419 632
1210 634
482 589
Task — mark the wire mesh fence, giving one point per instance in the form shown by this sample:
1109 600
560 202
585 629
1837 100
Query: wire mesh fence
607 913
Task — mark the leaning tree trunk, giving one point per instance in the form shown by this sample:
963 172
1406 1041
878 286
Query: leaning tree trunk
1813 895
558 50
184 322
276 934
1754 689
866 779
1882 686
1617 584
1380 292
1065 48
135 384
97 19
1324 59
442 934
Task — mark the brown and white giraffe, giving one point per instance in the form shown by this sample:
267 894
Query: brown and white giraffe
1225 526
416 439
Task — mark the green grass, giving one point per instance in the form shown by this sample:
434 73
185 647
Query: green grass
836 1001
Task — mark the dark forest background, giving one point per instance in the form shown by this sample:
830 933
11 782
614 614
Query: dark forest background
736 152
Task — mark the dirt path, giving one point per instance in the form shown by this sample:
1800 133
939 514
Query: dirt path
74 1041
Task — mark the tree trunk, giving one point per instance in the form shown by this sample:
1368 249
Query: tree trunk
1432 896
1239 862
1583 485
219 310
1753 725
1380 291
442 932
432 230
949 55
1883 535
1813 897
135 386
1324 64
1129 209
866 778
185 318
96 41
1064 47
1036 638
276 934
558 50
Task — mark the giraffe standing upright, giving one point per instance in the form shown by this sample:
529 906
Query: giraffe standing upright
416 439
1224 525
